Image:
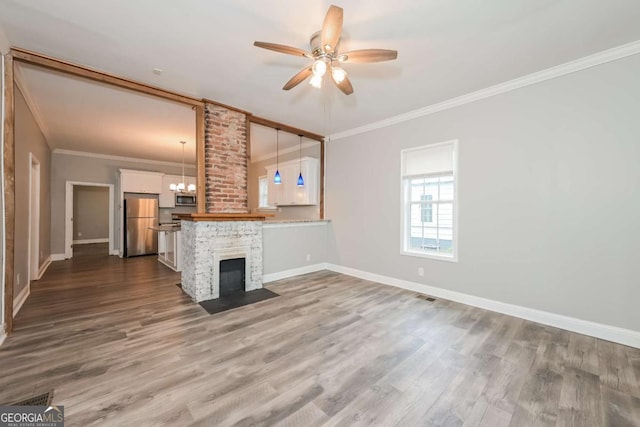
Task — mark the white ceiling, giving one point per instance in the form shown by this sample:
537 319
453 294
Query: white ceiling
83 115
205 49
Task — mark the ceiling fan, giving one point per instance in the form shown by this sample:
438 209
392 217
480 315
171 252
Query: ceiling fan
324 52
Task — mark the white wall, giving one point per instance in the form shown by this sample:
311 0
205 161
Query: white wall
549 196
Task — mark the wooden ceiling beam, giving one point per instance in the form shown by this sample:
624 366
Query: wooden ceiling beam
285 128
23 55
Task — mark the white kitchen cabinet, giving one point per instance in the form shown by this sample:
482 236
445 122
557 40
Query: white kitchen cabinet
132 181
288 193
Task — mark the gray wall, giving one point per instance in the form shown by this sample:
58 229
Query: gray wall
90 212
549 196
29 139
286 248
67 167
257 169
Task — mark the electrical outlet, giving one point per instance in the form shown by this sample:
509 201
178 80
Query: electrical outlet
420 271
308 257
18 279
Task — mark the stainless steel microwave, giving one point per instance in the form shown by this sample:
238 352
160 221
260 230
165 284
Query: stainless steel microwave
183 199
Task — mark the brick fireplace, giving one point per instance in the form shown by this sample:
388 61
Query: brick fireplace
208 240
226 231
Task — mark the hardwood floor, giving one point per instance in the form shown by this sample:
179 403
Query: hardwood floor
121 345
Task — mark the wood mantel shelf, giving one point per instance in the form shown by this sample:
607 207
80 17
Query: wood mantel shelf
222 217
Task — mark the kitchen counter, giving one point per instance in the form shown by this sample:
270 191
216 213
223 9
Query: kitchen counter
167 228
281 223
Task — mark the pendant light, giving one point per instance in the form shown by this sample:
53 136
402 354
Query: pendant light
276 178
181 186
300 179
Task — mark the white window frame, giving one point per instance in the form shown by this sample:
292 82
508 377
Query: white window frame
266 207
405 207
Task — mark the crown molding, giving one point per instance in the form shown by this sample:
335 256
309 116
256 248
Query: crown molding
18 78
285 151
599 58
121 158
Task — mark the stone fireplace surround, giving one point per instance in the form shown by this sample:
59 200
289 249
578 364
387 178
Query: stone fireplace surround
208 239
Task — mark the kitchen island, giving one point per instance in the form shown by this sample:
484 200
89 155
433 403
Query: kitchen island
169 245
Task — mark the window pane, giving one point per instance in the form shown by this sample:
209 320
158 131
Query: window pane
427 208
417 189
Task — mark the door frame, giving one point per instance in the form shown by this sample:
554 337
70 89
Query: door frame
33 240
68 215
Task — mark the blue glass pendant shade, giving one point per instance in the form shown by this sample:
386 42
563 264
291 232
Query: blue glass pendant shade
300 180
276 178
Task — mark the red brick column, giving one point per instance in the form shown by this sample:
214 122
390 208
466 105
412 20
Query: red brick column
225 151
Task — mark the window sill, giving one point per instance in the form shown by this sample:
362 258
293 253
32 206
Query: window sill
452 258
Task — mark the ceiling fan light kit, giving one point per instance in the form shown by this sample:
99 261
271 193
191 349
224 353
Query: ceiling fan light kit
324 52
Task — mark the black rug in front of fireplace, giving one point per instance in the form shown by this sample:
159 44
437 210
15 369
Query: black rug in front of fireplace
236 300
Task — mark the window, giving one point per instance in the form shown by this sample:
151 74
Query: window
429 226
263 195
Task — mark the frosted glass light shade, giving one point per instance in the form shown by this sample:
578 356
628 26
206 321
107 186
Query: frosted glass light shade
319 68
338 74
173 187
191 188
181 186
316 81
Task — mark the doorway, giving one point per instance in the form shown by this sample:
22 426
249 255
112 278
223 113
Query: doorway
84 221
34 219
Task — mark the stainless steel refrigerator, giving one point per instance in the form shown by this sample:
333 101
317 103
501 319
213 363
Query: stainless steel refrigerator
140 213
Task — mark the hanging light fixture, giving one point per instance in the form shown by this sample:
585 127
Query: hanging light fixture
181 186
300 179
276 178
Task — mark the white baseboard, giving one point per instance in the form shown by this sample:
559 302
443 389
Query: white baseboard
88 241
43 267
585 327
57 257
293 272
115 252
20 299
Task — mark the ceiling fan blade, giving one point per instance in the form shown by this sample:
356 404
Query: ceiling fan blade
368 55
283 49
344 85
332 29
298 78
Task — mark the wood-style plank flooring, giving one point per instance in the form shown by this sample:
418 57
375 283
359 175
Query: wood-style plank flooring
121 345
